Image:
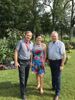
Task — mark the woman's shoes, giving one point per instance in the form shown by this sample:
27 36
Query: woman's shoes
41 91
38 87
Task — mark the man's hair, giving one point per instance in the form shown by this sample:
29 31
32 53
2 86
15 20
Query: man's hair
27 32
55 33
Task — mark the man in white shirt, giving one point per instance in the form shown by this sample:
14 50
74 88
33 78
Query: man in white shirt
56 56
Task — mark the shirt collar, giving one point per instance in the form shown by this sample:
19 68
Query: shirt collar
55 41
27 41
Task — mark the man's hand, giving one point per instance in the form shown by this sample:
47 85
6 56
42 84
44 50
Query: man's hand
17 64
61 68
31 64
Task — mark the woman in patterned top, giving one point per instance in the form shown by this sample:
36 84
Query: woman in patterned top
38 62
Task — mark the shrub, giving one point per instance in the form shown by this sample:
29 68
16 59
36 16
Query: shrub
7 46
3 49
72 44
65 37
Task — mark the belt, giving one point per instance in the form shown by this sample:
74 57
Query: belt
55 60
25 60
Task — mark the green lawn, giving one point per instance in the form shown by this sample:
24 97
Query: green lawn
9 84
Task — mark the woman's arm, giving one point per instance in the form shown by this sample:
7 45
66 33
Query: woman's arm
31 59
45 49
16 58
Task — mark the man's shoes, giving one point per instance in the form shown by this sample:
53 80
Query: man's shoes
56 98
24 97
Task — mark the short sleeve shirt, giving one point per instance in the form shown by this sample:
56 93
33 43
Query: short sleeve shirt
23 52
56 50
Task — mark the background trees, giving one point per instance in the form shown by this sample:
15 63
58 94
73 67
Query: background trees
38 16
41 16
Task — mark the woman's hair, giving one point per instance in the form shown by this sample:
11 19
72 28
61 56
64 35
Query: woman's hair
37 35
42 36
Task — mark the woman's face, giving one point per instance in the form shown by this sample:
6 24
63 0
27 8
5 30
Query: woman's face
38 39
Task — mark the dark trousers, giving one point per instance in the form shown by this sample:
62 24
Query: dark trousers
56 75
23 75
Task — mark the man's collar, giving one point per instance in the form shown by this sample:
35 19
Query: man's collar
27 41
54 42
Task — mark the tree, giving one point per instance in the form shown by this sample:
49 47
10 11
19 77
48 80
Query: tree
46 23
60 12
33 15
6 16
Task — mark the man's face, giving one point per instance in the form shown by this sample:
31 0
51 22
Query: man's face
28 36
54 37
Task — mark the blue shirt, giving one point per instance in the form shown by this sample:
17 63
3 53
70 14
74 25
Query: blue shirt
56 50
24 52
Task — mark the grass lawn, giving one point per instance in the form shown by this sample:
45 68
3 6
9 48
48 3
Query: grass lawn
9 84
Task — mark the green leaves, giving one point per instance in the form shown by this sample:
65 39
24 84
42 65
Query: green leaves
3 49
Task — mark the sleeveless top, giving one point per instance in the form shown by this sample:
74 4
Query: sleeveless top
38 59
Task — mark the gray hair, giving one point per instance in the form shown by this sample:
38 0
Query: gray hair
28 32
54 32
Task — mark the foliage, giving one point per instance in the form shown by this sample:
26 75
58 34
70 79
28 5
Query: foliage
66 37
3 49
46 23
16 17
8 45
13 37
33 15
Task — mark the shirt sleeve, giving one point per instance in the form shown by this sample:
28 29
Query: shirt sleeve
18 45
32 46
62 49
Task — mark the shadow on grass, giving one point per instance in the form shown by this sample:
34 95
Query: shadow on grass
8 89
31 90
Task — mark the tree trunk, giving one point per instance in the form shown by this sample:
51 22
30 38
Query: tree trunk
71 25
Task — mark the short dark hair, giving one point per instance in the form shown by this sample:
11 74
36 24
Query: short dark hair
37 35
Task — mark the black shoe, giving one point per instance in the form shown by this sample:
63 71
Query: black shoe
23 97
56 98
